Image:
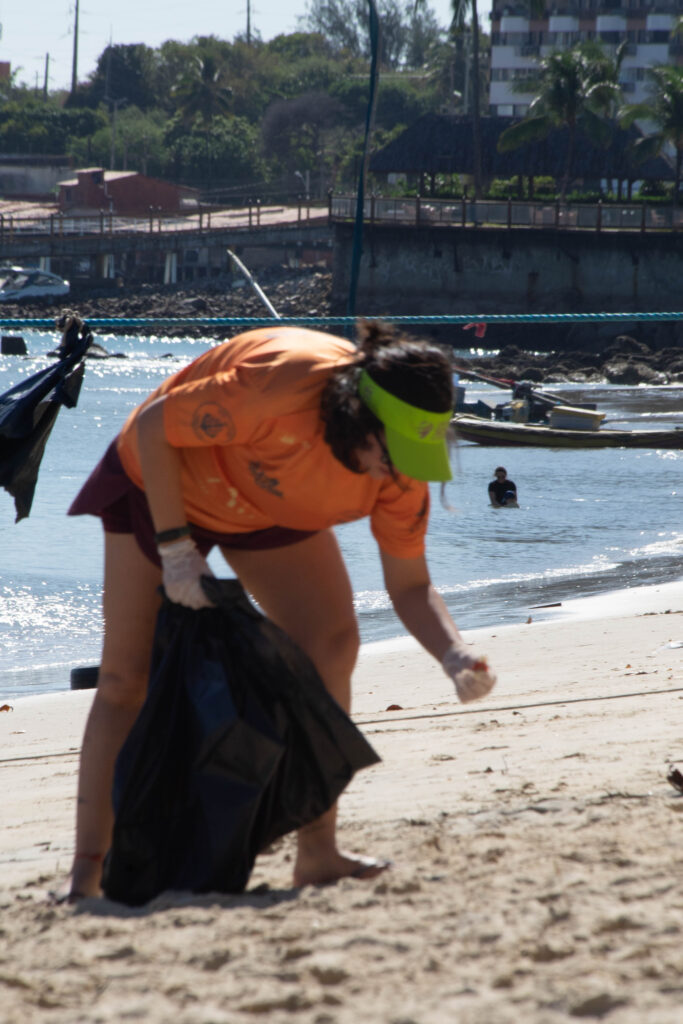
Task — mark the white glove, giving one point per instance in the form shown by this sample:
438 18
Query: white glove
183 566
471 675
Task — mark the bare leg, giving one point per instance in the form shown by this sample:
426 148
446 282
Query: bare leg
305 589
130 606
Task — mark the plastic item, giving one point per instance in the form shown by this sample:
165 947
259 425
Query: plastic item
237 743
85 677
28 412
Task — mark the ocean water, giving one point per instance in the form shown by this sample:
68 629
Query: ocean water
589 522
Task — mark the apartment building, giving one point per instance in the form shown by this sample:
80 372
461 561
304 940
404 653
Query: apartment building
517 41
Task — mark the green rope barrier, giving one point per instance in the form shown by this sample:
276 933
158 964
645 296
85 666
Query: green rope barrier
345 321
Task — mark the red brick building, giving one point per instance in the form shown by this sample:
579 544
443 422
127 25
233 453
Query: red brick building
123 193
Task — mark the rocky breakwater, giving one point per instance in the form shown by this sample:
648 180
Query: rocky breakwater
625 361
290 292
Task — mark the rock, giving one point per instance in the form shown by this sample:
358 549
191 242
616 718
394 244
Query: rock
623 344
668 360
533 373
629 372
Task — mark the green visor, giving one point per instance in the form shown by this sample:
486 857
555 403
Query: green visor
415 438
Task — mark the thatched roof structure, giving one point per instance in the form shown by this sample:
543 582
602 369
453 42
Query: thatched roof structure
442 144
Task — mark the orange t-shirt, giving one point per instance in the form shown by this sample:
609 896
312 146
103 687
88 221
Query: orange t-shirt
245 417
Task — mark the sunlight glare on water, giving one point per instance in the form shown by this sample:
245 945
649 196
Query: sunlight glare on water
589 521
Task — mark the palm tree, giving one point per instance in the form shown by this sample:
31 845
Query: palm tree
202 91
460 10
665 110
574 90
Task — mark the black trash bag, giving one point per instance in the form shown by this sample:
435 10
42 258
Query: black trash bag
238 743
28 412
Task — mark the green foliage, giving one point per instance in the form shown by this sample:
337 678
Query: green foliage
503 188
575 88
297 134
202 93
301 46
125 74
226 154
584 195
409 29
30 125
398 100
655 189
665 110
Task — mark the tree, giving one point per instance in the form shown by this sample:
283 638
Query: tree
408 29
29 124
294 131
573 90
123 72
202 91
225 155
460 9
665 110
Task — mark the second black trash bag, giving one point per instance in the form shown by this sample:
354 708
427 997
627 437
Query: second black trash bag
238 742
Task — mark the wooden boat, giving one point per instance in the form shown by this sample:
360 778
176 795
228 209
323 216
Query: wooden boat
505 433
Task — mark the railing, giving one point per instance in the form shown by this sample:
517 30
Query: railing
206 218
511 214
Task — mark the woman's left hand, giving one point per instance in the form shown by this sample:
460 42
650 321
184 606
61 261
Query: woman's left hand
471 675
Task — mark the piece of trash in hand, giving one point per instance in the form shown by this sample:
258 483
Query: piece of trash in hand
6 707
675 778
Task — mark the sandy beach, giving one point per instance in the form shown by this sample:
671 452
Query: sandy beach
538 851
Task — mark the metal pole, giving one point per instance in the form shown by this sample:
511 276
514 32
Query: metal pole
74 62
259 291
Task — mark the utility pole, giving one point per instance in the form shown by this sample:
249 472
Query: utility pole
74 65
248 22
47 71
115 104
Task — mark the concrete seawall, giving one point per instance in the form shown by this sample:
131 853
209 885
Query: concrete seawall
448 270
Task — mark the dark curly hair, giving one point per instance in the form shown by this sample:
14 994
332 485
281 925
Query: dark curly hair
413 371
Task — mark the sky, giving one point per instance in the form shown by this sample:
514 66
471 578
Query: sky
31 30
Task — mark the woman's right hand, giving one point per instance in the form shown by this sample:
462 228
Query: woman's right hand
183 566
471 675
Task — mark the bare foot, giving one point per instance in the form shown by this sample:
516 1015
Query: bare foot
65 894
309 871
84 882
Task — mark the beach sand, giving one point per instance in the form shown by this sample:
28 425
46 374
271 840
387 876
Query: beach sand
538 852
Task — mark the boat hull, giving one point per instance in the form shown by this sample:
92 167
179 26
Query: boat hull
501 433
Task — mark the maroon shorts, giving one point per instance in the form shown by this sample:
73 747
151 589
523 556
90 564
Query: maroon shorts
110 494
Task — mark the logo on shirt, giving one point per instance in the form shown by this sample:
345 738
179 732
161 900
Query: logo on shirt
213 421
421 515
261 479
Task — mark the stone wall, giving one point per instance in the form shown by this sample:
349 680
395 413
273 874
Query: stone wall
450 270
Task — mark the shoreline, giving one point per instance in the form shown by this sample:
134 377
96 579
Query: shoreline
655 598
658 597
536 845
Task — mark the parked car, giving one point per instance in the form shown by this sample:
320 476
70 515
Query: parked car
18 284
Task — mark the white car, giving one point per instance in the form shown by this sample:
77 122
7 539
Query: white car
18 284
